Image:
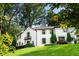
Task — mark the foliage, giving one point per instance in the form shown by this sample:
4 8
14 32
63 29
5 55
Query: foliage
55 17
69 38
30 13
61 42
29 45
5 42
14 42
77 31
69 13
52 18
15 29
64 25
5 39
53 37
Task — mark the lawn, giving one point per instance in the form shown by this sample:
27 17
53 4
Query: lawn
53 50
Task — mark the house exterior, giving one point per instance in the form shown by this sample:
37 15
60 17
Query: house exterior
39 36
62 34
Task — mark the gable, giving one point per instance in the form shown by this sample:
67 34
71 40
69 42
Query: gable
60 32
28 30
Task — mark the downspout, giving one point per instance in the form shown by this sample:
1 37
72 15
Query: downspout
36 37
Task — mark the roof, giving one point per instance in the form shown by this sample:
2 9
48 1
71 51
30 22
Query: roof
40 28
20 33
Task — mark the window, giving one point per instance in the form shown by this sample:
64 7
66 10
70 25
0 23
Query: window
43 40
22 43
28 41
28 34
43 31
28 37
19 43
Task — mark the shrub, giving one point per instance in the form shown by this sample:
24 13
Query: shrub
5 42
29 45
53 37
75 41
12 48
61 42
69 38
20 47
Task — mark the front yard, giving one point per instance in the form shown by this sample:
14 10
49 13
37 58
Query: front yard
53 50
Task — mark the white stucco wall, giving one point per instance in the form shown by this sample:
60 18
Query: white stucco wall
60 33
47 35
36 36
72 32
24 34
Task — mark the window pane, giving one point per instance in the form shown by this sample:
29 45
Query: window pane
28 34
43 40
43 31
22 43
19 43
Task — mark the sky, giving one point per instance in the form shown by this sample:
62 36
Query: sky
56 10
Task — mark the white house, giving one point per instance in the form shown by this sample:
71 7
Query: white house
39 36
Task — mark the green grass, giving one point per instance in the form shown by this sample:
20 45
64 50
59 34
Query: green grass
53 50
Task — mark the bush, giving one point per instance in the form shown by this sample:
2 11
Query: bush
29 45
20 47
61 42
14 42
75 41
5 42
69 38
53 37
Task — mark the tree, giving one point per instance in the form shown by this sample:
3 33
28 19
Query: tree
53 37
30 13
49 16
68 14
5 39
69 38
6 36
